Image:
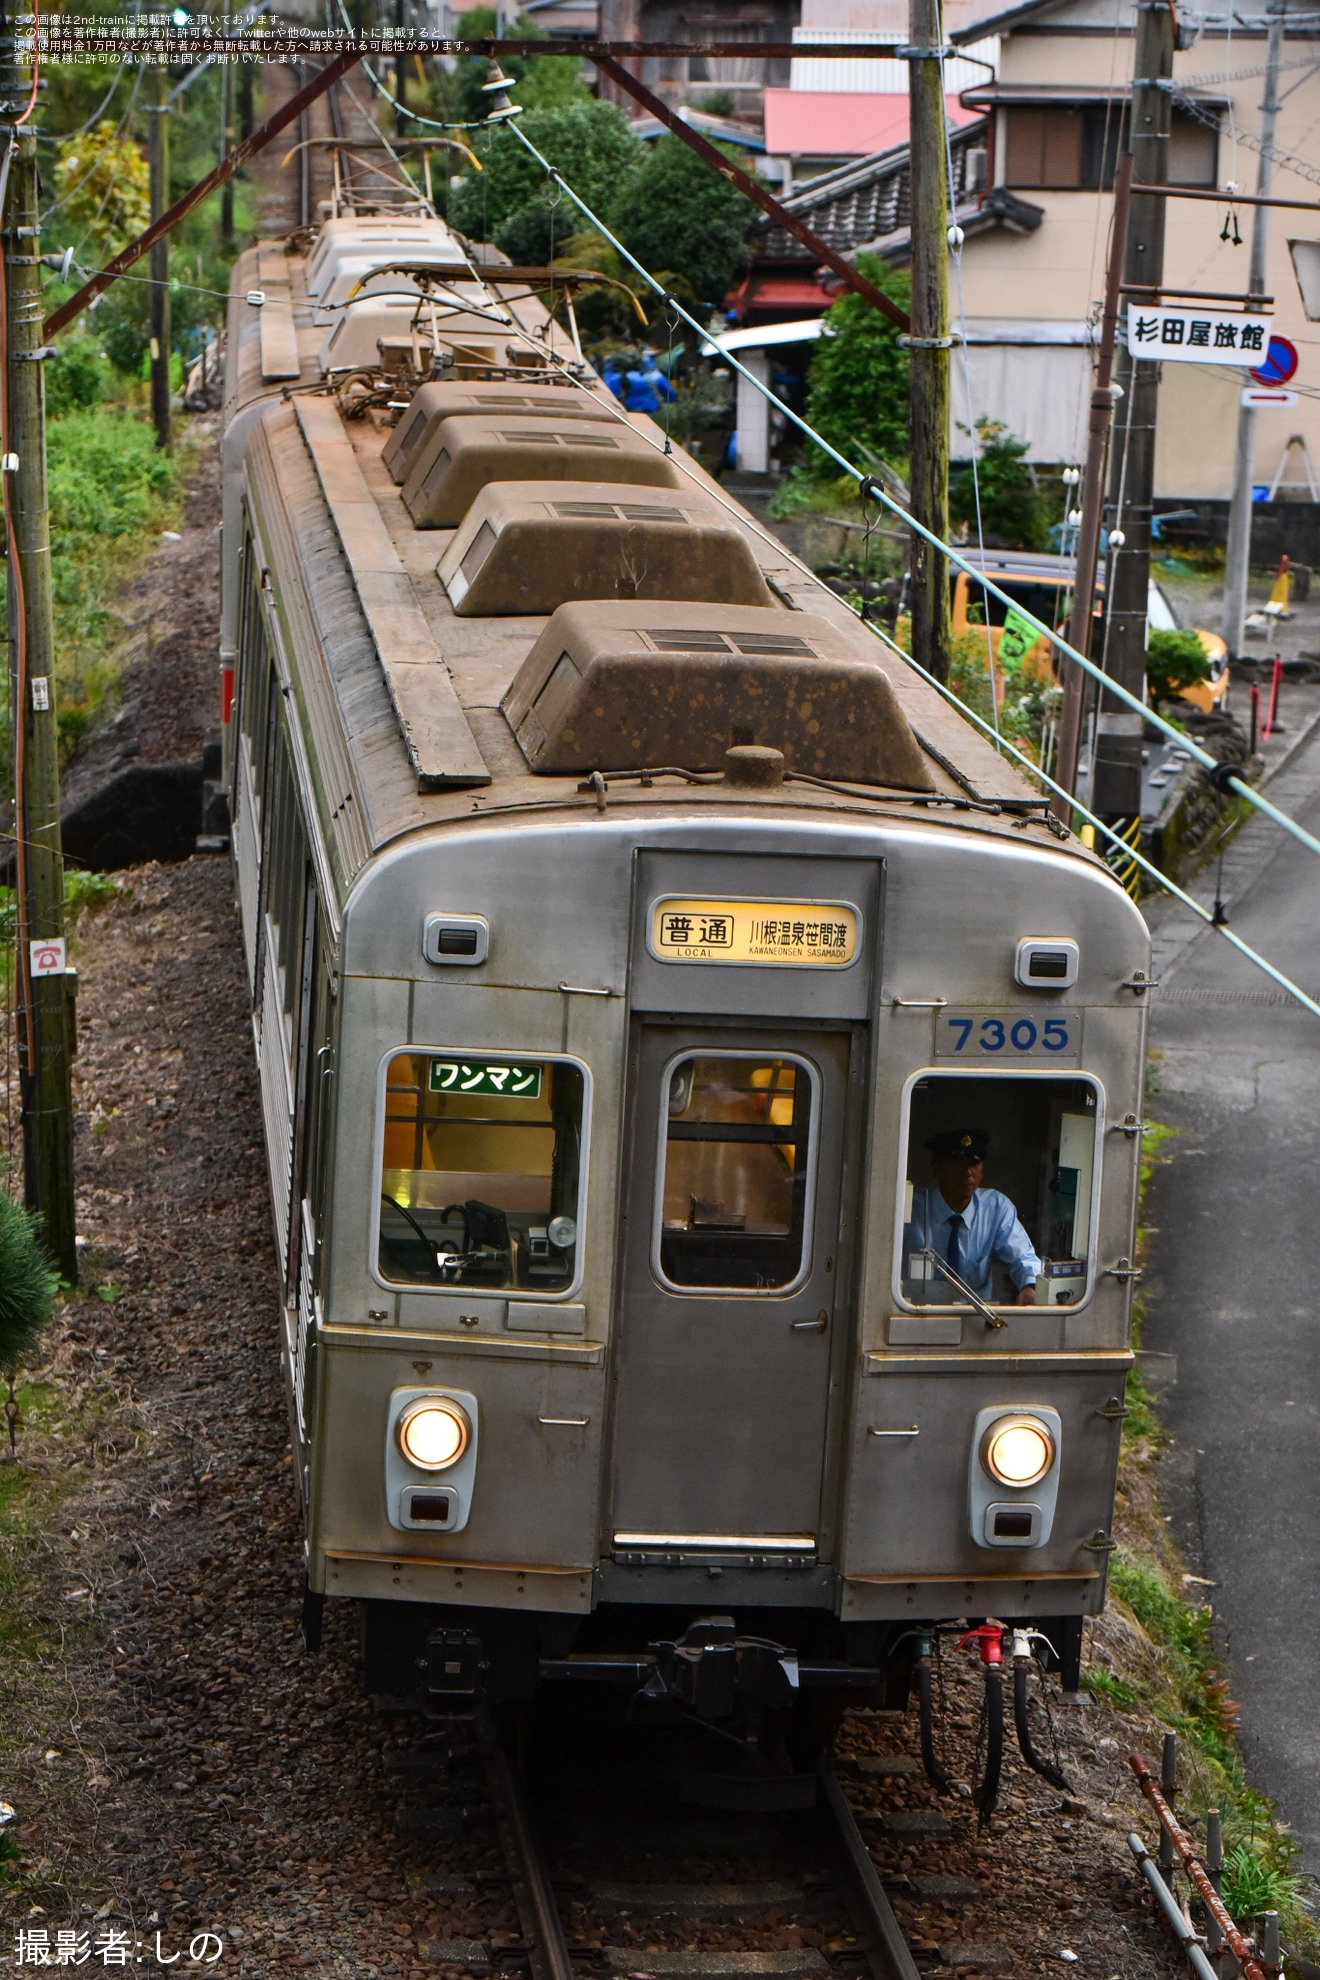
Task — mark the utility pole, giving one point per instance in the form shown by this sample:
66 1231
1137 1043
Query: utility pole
44 1013
1116 795
1092 496
226 118
159 163
1237 560
929 341
400 73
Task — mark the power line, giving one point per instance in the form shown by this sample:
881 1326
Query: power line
1061 645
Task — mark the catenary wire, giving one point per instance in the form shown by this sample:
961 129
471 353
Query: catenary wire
1061 645
947 693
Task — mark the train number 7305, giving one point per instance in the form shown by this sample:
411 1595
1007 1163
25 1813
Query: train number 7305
978 1035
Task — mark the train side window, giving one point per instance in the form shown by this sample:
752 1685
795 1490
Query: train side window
1014 1161
481 1171
735 1165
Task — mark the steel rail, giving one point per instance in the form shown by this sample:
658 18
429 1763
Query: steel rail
537 1913
870 486
1175 1916
1196 1870
890 1957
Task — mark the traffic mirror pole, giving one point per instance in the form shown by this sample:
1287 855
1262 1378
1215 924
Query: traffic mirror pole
45 1009
1092 498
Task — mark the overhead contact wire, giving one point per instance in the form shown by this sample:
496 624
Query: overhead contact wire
1061 645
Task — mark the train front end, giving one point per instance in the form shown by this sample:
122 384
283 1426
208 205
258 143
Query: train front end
642 1322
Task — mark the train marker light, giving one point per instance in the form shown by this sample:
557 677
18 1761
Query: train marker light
434 1433
1017 1450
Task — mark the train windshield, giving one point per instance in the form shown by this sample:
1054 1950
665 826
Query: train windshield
1000 1184
480 1172
736 1163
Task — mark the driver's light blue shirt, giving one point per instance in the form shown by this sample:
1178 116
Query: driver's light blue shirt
991 1229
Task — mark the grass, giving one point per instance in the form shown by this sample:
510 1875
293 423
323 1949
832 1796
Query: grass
112 492
1171 1672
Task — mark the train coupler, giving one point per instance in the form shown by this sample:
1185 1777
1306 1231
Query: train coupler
453 1664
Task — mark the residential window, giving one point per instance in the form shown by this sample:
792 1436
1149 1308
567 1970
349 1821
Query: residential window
1076 146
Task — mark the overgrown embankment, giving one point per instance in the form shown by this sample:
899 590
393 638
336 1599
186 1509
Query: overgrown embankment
1154 1654
113 493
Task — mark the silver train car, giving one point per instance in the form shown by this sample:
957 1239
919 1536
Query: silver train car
631 938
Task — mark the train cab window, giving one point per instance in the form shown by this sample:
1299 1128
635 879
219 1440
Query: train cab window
999 1191
481 1172
735 1169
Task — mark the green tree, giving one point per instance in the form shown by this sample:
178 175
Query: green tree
679 217
103 185
1014 510
857 383
589 142
27 1294
543 81
1174 660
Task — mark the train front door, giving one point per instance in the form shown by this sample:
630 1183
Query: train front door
728 1271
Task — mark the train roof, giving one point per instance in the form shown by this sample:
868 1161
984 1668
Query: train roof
417 713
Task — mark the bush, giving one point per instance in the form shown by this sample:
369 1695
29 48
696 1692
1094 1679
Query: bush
589 141
857 384
1014 510
27 1286
78 377
679 217
1174 660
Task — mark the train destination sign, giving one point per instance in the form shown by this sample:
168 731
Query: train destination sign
497 1077
1196 336
803 934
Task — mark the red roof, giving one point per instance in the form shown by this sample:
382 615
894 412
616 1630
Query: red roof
840 123
767 293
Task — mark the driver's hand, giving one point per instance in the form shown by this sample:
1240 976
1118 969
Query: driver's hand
1026 1295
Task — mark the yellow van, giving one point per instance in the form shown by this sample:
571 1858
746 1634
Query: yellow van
1042 585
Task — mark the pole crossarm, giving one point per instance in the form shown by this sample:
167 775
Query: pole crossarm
1227 199
158 229
875 488
754 190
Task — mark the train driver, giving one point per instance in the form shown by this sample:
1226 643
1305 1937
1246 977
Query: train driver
967 1225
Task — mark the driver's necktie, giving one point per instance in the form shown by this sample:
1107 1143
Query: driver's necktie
954 1252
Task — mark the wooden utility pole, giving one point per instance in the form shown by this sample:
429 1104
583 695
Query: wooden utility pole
1237 556
1116 794
44 1013
159 162
1092 497
929 341
226 119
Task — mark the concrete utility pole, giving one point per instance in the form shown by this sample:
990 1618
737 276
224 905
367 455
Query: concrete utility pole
159 163
1088 535
45 1010
929 340
1237 560
1117 789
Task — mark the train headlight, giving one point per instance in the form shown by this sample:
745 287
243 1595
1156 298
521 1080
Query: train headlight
1017 1450
434 1432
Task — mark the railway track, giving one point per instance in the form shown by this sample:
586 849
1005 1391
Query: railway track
585 1860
